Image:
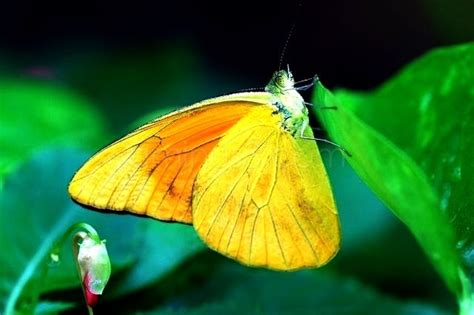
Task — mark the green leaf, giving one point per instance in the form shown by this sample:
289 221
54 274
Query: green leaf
235 289
367 226
35 114
35 211
411 142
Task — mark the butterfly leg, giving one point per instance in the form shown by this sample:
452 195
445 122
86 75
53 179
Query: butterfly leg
320 107
302 136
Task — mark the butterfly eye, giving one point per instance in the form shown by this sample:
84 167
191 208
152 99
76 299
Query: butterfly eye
281 80
277 78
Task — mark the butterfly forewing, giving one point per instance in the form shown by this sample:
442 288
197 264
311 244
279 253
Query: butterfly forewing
151 171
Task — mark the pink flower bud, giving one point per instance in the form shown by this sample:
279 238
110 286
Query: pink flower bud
94 264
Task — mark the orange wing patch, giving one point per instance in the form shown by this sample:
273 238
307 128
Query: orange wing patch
151 171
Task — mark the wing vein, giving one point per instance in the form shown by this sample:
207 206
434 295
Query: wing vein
259 208
297 149
253 229
302 231
150 174
113 173
252 155
224 170
152 152
276 235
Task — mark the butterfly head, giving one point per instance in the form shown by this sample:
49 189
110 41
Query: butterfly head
281 81
288 102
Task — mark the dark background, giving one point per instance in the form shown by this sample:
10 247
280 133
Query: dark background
355 44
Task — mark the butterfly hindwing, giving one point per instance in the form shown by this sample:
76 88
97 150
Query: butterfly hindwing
262 197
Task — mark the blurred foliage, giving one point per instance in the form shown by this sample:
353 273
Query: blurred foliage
47 307
32 220
415 133
35 114
164 268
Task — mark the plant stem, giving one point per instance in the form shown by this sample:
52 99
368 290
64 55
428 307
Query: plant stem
40 256
77 226
31 268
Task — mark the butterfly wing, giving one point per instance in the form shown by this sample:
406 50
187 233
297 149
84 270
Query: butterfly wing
151 171
263 197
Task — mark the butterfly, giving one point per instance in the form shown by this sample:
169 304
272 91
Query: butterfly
243 169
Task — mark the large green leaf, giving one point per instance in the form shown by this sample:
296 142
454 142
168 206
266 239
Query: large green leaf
411 142
35 113
35 211
363 216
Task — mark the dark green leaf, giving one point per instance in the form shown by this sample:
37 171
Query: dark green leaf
411 142
235 289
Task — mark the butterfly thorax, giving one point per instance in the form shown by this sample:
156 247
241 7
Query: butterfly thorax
288 102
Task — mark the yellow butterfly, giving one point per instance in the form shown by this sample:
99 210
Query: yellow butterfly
243 169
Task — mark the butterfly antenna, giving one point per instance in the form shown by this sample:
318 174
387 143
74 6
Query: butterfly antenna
259 89
283 52
290 33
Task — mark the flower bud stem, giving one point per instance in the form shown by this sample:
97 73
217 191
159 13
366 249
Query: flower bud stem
44 254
